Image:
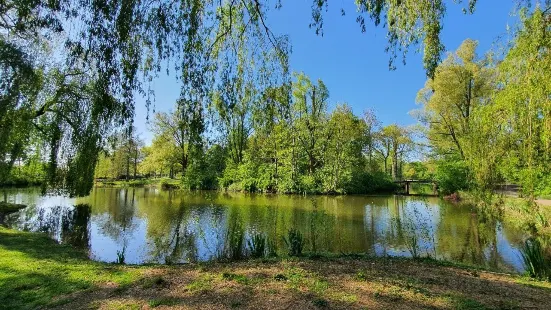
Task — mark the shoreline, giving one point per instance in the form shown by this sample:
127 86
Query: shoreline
41 273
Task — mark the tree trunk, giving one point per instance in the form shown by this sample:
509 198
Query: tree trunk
127 167
135 163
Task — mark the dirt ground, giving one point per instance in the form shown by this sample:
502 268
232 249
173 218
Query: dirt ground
343 283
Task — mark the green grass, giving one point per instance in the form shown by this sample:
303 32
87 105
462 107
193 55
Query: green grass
164 183
239 278
163 301
34 270
201 284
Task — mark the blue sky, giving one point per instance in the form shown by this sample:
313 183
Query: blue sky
354 65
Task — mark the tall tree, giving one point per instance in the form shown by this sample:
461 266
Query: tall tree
462 83
182 128
523 103
394 142
310 103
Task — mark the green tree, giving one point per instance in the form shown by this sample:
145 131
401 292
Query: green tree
523 106
183 129
310 103
394 142
344 160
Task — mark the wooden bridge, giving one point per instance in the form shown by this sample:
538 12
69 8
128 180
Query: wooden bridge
406 186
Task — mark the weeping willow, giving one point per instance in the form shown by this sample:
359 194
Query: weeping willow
70 69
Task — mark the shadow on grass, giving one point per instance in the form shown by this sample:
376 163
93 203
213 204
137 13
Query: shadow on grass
37 272
462 288
34 269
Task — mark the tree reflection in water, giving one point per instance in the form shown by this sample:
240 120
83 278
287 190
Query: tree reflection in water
149 225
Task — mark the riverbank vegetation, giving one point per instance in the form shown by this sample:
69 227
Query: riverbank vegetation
244 120
58 276
487 118
299 147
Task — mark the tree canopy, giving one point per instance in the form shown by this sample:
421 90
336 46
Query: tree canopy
71 69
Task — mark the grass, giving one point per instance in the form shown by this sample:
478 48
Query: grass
164 183
535 260
257 246
35 272
294 242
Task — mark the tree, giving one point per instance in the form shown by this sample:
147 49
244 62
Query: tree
122 158
160 159
523 106
372 125
310 103
182 128
344 159
394 142
462 84
119 44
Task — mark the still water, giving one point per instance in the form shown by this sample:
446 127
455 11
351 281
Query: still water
147 225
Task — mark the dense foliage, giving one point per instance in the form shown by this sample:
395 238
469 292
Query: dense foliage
286 140
70 69
488 122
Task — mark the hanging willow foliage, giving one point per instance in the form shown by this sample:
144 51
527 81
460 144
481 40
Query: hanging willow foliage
108 51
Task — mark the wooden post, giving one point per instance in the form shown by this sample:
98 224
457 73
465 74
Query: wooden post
407 188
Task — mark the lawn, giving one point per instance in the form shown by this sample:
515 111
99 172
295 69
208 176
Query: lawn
36 272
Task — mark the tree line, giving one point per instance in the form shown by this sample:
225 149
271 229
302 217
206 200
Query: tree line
65 90
287 140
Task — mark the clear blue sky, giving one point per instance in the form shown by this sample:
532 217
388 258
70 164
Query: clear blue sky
354 66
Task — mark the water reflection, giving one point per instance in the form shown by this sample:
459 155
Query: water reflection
148 225
65 223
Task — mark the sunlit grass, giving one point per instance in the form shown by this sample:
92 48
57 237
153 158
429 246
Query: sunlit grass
34 270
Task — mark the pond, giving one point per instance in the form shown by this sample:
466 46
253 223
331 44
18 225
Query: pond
148 225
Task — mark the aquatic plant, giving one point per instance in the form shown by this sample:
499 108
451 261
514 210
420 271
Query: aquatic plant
233 247
536 263
272 248
416 229
294 242
257 245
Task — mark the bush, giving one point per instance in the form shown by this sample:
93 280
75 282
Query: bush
137 183
309 184
451 177
168 184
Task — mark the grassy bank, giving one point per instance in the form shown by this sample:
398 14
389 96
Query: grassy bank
160 183
37 272
533 218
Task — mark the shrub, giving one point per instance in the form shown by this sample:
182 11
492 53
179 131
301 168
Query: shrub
309 184
168 184
451 176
